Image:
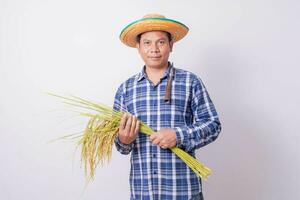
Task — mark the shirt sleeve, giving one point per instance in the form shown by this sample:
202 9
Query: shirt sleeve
120 106
206 125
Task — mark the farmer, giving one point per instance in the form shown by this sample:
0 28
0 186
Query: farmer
174 103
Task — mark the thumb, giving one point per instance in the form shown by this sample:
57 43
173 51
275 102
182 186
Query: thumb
153 136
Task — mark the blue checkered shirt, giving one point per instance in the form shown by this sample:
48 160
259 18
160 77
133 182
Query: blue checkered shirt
158 173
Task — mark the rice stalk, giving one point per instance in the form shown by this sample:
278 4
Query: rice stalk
97 139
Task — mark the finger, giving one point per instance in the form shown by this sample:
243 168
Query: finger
162 144
123 121
137 127
153 136
133 123
156 141
128 124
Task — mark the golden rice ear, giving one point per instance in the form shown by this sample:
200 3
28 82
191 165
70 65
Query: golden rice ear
98 138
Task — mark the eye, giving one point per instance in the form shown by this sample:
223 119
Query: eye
146 42
162 42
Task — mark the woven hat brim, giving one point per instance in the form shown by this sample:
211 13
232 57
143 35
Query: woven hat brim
130 32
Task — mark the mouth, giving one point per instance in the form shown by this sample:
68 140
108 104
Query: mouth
155 57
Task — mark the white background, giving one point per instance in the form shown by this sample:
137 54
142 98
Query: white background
246 52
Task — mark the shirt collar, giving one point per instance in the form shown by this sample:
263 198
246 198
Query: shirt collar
143 74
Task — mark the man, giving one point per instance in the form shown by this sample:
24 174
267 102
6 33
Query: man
174 103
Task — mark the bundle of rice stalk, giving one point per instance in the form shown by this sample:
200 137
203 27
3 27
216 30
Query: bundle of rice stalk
97 139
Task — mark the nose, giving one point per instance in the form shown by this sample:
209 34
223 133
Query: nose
154 48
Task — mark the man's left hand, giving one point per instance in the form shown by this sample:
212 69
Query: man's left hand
165 138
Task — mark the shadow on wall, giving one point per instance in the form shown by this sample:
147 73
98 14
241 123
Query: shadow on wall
241 159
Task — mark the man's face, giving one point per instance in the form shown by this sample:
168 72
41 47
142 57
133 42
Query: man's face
154 48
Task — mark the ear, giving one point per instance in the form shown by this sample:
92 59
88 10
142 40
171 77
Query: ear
171 45
137 46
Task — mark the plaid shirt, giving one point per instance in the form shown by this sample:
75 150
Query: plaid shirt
158 173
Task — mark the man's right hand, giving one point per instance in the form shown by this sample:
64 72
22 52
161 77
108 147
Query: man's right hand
128 129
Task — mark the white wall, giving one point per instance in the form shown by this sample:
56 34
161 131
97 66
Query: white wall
246 52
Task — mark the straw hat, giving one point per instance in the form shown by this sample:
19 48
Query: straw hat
152 22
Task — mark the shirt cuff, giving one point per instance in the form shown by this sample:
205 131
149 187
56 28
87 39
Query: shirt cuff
126 147
180 137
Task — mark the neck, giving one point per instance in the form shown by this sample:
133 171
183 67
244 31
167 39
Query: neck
154 74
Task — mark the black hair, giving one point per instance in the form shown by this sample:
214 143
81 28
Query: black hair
138 38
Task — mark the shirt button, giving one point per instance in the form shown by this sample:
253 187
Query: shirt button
154 172
154 155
